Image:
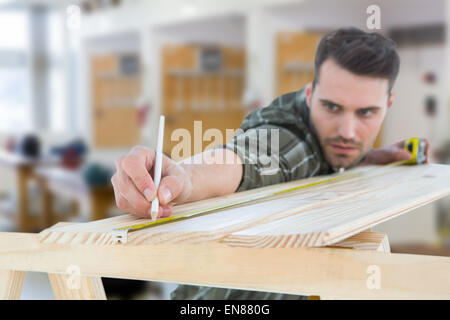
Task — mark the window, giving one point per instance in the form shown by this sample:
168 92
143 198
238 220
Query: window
14 75
33 70
56 80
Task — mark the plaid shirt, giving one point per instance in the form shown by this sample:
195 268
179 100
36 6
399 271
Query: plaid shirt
299 156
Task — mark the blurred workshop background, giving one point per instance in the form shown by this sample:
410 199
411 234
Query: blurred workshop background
81 82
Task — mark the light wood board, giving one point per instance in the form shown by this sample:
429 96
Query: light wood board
328 272
321 215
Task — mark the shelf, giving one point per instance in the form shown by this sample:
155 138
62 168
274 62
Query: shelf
200 73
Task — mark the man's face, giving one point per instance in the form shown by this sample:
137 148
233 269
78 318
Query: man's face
347 111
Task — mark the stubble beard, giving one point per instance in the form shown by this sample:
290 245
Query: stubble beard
330 160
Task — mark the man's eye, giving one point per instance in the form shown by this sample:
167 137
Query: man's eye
366 112
332 107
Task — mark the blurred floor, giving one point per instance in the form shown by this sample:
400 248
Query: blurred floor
37 287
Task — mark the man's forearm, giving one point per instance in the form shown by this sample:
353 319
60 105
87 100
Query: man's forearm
213 173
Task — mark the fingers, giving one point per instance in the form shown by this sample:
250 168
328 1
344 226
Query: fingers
136 166
122 203
166 211
394 153
399 145
134 187
169 189
128 197
387 155
427 151
402 155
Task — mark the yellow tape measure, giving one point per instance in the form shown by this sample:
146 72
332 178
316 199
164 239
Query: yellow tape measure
417 147
120 234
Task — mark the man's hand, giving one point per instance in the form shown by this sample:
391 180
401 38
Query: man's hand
393 153
134 188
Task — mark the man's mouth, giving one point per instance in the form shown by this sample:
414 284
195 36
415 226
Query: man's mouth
339 148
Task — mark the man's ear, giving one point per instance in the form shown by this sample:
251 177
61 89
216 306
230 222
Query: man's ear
308 93
391 100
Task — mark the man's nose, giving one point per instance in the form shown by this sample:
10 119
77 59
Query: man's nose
348 126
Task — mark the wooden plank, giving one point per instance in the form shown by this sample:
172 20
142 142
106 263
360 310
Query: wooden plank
330 272
73 287
11 283
366 240
317 216
347 216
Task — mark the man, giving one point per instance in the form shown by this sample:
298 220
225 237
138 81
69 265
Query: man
330 124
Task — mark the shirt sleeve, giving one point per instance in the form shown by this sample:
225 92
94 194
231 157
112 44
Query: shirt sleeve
270 155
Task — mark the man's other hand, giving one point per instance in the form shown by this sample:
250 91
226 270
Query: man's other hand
390 154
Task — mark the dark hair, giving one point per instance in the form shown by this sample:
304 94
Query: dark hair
362 53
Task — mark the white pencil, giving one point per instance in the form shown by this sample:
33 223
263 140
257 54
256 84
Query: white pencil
158 168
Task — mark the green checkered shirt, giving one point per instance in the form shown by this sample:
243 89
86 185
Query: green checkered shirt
299 156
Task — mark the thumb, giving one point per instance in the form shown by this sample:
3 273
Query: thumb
402 155
169 188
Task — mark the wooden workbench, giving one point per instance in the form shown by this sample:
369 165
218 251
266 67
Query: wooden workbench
71 185
23 169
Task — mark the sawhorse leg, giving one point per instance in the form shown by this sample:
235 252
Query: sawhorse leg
65 287
11 284
71 287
